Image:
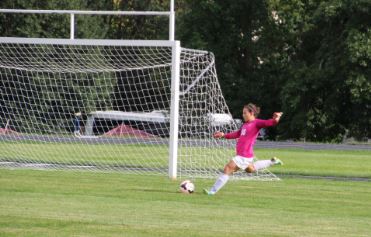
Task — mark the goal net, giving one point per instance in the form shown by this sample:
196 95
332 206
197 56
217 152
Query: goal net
104 105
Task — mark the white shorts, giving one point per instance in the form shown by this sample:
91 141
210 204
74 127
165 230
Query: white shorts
243 162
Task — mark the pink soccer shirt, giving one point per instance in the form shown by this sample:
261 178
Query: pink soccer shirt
247 135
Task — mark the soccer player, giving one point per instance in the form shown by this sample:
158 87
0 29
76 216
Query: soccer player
246 135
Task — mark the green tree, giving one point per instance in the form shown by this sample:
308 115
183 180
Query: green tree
308 58
235 32
54 25
327 94
138 27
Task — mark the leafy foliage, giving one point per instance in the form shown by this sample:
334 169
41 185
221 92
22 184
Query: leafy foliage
308 58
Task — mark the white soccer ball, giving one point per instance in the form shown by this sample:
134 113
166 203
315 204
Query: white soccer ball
187 187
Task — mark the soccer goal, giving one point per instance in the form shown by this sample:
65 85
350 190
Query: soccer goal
138 106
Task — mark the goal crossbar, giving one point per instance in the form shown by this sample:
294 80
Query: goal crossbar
80 12
95 42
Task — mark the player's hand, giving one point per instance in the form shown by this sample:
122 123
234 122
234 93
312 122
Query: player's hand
218 134
277 116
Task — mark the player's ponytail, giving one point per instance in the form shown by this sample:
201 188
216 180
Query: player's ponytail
252 109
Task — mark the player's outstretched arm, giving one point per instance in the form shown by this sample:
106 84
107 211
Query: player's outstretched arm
270 122
277 116
231 135
218 134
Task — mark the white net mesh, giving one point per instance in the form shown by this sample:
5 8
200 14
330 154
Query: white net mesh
104 107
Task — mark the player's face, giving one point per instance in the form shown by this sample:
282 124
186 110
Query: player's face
247 115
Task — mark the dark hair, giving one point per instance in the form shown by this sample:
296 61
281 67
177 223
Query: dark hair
252 109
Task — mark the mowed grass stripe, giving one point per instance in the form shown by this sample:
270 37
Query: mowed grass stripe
66 203
297 161
321 162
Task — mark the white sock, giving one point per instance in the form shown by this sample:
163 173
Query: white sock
262 164
223 179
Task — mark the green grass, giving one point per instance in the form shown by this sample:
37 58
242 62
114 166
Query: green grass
147 155
66 203
85 153
297 161
322 162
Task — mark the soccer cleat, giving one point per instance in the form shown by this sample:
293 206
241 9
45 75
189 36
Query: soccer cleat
276 161
208 192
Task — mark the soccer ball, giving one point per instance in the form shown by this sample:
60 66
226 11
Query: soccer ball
187 187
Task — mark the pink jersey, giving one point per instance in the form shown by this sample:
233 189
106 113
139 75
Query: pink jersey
247 135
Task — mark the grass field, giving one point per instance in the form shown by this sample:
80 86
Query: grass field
321 162
68 203
298 161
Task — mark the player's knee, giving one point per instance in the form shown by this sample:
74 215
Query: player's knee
250 169
228 170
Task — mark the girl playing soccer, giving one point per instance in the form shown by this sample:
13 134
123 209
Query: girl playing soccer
246 135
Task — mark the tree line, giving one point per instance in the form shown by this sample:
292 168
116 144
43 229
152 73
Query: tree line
307 58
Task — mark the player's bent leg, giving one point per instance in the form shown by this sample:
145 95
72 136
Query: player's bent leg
263 164
250 169
276 161
223 179
230 168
